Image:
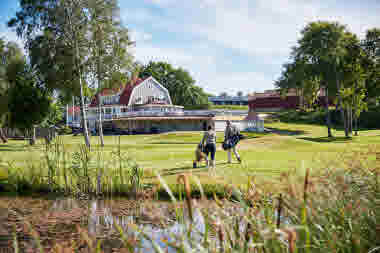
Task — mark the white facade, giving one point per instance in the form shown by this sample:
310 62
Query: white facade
149 91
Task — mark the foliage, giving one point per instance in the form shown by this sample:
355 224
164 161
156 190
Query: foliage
371 64
178 81
28 102
295 218
70 41
9 53
55 115
64 130
230 107
198 107
328 56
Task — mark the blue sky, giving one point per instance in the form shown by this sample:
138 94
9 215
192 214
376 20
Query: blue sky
227 45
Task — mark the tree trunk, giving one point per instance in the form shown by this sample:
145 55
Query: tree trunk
342 114
356 126
32 139
83 109
100 123
351 121
345 122
328 118
2 136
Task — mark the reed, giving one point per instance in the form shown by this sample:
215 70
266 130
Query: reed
331 210
80 171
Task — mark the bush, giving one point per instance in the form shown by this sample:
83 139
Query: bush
367 120
64 130
198 107
230 107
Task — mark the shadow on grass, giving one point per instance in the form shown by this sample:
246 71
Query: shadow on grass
175 171
250 137
8 147
186 143
339 139
168 142
180 170
286 131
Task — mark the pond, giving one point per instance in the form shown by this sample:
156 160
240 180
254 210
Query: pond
57 220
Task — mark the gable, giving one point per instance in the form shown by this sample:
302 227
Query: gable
150 92
139 92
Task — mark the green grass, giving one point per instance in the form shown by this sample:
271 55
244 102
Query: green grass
264 155
230 107
329 210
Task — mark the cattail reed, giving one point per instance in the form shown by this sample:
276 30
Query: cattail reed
221 238
306 185
185 180
279 210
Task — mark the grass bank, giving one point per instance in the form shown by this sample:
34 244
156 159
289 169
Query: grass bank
123 161
330 210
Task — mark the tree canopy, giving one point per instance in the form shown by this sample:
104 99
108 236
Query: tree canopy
329 57
73 44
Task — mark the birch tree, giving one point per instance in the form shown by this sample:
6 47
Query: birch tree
110 59
64 25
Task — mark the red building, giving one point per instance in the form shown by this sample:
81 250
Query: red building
271 100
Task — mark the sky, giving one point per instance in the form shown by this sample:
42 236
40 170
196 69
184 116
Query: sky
226 45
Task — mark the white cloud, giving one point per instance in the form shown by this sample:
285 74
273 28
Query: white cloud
139 36
204 70
264 30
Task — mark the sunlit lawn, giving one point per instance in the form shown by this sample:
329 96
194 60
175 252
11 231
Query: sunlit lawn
293 146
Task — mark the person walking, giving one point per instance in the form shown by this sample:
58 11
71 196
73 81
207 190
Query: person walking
231 136
209 138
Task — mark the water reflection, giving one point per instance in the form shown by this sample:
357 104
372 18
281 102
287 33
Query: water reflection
155 218
103 214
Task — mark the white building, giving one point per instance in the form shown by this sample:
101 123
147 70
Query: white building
143 105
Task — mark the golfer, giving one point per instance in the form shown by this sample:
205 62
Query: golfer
209 138
231 135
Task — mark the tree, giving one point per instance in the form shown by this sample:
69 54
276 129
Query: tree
178 81
223 94
239 93
354 88
9 53
306 79
57 34
110 59
371 65
325 45
74 40
28 102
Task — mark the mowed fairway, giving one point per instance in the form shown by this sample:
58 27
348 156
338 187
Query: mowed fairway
290 146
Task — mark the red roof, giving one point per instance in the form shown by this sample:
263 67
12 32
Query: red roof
125 95
75 109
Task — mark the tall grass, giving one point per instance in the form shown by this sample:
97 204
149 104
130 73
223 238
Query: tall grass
330 210
335 210
82 171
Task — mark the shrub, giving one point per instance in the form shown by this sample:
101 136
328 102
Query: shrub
64 130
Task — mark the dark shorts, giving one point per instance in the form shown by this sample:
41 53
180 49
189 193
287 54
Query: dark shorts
210 148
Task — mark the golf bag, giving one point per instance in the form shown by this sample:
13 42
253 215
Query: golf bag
232 141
